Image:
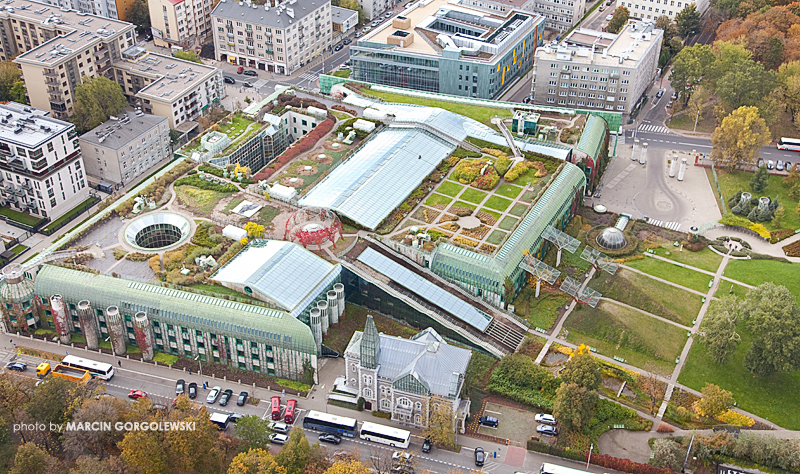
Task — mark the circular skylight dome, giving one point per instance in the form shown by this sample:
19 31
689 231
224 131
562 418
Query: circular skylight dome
612 239
157 231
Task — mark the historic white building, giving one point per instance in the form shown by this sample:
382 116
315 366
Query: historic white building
402 376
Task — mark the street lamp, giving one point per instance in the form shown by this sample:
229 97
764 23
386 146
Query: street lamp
590 456
686 459
199 361
113 353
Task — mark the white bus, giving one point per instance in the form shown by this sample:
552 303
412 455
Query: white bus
790 144
97 369
394 437
339 425
548 468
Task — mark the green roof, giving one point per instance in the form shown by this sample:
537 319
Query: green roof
594 136
182 308
614 119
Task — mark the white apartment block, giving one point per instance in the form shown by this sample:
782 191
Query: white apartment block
596 70
278 38
104 8
652 9
560 15
375 8
125 147
41 169
183 23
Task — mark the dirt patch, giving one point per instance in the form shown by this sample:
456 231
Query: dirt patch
329 146
441 207
555 358
287 181
306 172
327 160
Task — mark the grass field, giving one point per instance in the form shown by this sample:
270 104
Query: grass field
18 249
541 312
731 182
481 114
509 190
222 290
232 205
494 214
617 331
518 210
507 223
199 200
496 237
773 397
670 272
267 214
464 204
497 202
449 188
20 217
725 286
473 195
756 272
71 214
705 259
435 199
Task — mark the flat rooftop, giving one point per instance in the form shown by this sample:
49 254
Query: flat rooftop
80 30
117 133
30 128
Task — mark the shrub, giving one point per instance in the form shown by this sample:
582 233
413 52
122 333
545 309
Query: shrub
380 414
487 181
664 428
518 170
360 404
119 254
305 143
342 108
538 446
626 465
502 164
737 419
139 257
155 264
207 185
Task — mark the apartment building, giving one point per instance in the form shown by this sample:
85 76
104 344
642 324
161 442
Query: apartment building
276 37
104 8
183 23
652 9
41 169
125 147
374 8
596 70
343 20
559 15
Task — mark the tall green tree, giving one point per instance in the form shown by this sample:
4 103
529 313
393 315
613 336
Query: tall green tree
31 459
618 20
95 100
253 431
668 26
688 21
139 15
718 331
774 54
18 93
788 90
691 65
574 405
760 179
715 400
747 85
294 454
9 76
187 56
737 140
582 370
773 317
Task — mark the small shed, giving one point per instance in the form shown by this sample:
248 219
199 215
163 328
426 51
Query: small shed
364 125
316 112
281 192
233 232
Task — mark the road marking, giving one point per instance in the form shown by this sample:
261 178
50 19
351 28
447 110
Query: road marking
694 144
489 411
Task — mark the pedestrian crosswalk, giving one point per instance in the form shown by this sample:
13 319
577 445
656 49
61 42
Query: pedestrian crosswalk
666 225
309 76
653 129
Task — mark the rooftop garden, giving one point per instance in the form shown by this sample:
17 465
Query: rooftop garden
238 129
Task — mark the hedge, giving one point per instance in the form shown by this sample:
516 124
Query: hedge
539 447
626 465
195 181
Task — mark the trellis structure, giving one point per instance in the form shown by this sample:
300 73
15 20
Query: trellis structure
561 240
599 260
588 296
540 270
571 287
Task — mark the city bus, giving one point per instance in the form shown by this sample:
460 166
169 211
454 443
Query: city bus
276 408
791 144
100 370
376 433
548 468
288 417
340 425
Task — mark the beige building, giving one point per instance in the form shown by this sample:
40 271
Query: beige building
127 146
596 70
183 23
276 38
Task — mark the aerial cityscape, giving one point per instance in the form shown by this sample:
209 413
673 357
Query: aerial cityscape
382 237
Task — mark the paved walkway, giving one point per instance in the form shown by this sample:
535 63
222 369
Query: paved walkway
759 245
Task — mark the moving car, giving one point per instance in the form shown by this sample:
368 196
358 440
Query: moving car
426 445
242 398
278 438
228 80
240 70
545 418
547 430
609 17
397 456
489 421
347 41
213 394
480 456
192 390
44 368
250 73
330 438
180 386
18 366
659 94
225 398
137 394
246 84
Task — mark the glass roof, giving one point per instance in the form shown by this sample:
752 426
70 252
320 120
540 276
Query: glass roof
426 289
283 272
380 175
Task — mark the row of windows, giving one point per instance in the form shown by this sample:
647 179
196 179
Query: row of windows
581 103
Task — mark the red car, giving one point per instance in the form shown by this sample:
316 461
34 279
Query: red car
240 70
136 394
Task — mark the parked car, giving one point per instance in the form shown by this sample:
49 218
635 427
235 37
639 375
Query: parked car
338 47
401 456
279 427
250 73
180 386
480 456
18 366
388 14
367 29
674 96
659 94
235 417
770 165
226 397
192 390
330 438
240 70
347 41
609 17
213 394
359 34
242 398
344 68
760 163
545 418
278 438
489 421
228 80
426 445
608 3
137 394
779 166
788 166
547 430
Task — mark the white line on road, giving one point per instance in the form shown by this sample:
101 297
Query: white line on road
489 411
694 144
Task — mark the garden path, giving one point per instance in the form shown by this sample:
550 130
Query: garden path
759 246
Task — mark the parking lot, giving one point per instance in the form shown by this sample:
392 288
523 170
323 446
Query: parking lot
513 424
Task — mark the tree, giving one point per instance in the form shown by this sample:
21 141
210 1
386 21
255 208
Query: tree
508 289
774 54
715 401
738 138
666 24
718 331
354 5
773 316
380 461
96 442
318 460
31 459
668 454
440 429
9 76
778 216
746 85
92 465
255 461
697 102
352 467
18 93
574 405
760 179
139 15
788 90
95 100
691 65
650 383
618 20
253 431
187 56
688 21
582 370
174 136
254 229
294 454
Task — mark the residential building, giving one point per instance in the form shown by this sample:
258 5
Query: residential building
181 23
344 21
450 48
560 15
104 8
652 9
373 9
407 377
596 70
125 147
40 161
276 38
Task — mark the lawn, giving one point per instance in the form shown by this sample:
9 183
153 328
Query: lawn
617 331
450 188
756 272
435 199
71 214
528 177
508 190
727 288
18 249
494 214
356 318
772 397
473 195
341 115
345 73
671 272
239 124
732 181
496 237
481 114
232 205
705 259
541 312
201 201
20 217
266 215
496 202
463 204
222 290
649 295
518 210
508 223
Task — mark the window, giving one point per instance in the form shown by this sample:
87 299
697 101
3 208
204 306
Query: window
404 402
367 393
385 404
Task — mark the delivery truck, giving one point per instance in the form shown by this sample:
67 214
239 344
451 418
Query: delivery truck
71 374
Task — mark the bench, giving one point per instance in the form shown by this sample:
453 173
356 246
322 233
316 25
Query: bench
620 359
538 329
619 427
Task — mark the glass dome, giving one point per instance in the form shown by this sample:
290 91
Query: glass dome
612 239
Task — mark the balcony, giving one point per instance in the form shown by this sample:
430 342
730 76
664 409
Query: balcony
269 51
50 74
230 34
